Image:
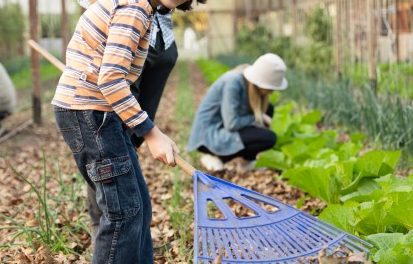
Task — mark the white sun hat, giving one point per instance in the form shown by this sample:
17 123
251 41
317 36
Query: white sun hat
268 72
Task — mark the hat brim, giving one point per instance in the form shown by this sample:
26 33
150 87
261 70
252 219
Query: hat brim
250 77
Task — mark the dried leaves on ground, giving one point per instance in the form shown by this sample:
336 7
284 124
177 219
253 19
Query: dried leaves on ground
42 212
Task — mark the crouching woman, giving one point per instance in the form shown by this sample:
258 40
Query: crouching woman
233 118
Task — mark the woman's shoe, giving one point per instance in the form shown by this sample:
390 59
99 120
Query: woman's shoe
211 163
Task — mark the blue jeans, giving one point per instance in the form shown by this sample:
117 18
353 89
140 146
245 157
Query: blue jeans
148 90
107 160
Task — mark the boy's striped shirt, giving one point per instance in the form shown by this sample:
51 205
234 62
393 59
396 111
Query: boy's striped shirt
104 57
160 22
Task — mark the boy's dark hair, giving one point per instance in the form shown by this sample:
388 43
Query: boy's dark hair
188 5
184 7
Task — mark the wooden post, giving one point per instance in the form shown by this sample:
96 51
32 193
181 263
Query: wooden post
248 10
338 39
347 38
295 19
235 15
35 63
351 22
372 44
397 30
411 15
209 34
64 30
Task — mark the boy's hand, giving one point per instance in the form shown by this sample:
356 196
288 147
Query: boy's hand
267 120
161 146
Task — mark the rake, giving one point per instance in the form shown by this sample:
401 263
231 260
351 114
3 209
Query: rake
273 233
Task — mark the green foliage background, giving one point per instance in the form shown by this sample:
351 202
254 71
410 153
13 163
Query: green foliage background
313 58
12 27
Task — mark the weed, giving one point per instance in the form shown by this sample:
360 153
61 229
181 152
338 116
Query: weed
51 225
180 207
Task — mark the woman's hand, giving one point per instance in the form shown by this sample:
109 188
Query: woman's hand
267 120
161 146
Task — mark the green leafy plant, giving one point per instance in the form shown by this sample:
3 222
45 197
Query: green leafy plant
372 165
308 155
393 247
382 213
342 216
317 181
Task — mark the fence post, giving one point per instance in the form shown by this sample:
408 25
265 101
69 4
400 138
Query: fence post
397 29
295 18
338 39
372 44
35 63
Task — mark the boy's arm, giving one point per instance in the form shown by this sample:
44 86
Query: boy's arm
128 26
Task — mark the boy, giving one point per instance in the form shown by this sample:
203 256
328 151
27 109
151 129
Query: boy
94 108
148 89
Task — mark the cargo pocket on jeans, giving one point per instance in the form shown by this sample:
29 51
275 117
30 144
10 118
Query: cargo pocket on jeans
116 187
68 126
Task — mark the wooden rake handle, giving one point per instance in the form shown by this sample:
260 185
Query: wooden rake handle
184 165
34 45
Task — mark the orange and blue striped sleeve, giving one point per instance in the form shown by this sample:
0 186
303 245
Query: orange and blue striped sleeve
124 45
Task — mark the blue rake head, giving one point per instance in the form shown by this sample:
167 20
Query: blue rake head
281 235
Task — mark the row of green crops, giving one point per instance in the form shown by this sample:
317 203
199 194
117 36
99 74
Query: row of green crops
22 79
386 118
211 69
365 196
392 78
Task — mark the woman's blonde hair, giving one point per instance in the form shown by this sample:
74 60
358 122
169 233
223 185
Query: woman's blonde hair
258 101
